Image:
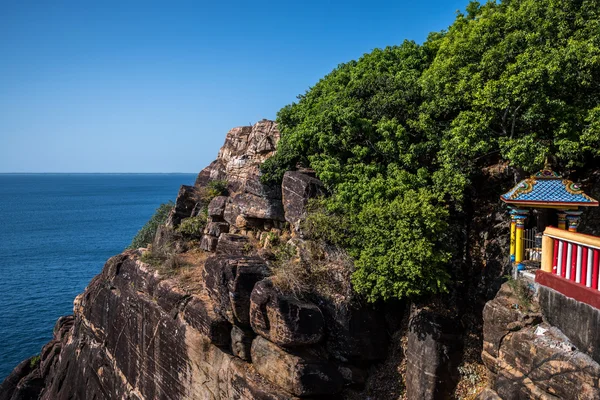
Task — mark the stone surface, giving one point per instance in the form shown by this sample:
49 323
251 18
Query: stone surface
301 373
356 333
241 342
230 281
186 201
530 359
216 207
238 163
135 335
297 189
432 355
216 228
578 321
209 243
284 320
233 244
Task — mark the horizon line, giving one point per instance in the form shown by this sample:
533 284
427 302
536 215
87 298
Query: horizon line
96 173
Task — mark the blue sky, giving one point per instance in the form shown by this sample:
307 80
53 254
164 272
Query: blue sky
154 86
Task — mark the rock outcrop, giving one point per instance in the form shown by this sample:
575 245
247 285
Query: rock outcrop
211 326
530 359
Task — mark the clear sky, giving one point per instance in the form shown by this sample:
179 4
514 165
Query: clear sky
126 86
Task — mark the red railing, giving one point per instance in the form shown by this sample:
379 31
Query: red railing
571 265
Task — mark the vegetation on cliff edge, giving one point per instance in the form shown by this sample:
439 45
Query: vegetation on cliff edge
397 135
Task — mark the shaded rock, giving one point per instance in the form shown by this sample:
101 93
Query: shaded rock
199 315
214 172
209 243
301 373
241 342
167 238
284 320
253 208
297 189
488 394
216 207
356 333
216 228
232 244
186 201
24 383
229 281
433 353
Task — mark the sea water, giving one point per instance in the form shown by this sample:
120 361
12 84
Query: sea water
56 232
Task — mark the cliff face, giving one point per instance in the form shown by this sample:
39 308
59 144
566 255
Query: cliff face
215 327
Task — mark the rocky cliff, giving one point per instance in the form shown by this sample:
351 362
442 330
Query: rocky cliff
250 308
213 326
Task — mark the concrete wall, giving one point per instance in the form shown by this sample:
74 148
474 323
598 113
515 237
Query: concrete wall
578 321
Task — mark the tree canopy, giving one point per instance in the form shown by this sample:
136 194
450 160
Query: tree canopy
397 135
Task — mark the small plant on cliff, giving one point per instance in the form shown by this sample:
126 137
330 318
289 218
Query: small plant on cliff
214 189
193 227
35 360
146 234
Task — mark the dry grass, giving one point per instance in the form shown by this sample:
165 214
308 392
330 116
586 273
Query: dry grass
313 268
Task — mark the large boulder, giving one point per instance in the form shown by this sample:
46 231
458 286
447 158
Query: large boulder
216 207
230 281
284 320
301 373
187 199
230 244
297 189
432 355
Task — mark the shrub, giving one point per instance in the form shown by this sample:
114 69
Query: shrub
35 360
214 189
146 234
193 227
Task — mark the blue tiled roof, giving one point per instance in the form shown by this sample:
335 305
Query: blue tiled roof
547 190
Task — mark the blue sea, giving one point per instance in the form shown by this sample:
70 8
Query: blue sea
56 232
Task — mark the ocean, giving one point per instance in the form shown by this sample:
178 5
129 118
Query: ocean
56 232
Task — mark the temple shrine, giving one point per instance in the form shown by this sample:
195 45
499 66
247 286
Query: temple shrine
553 200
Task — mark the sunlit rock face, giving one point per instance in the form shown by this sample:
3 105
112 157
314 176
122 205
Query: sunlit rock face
212 327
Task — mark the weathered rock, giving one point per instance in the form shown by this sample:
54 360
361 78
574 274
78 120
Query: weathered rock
186 201
297 189
488 394
432 355
214 172
209 243
534 359
356 333
216 207
301 373
24 382
284 320
216 228
232 244
230 281
253 208
241 342
167 238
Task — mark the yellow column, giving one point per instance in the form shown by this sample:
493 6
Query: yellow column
519 238
513 236
562 220
547 253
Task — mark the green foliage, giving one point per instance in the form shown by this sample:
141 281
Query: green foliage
214 189
397 135
35 360
146 234
193 227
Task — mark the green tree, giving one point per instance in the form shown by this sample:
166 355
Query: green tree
146 234
397 135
